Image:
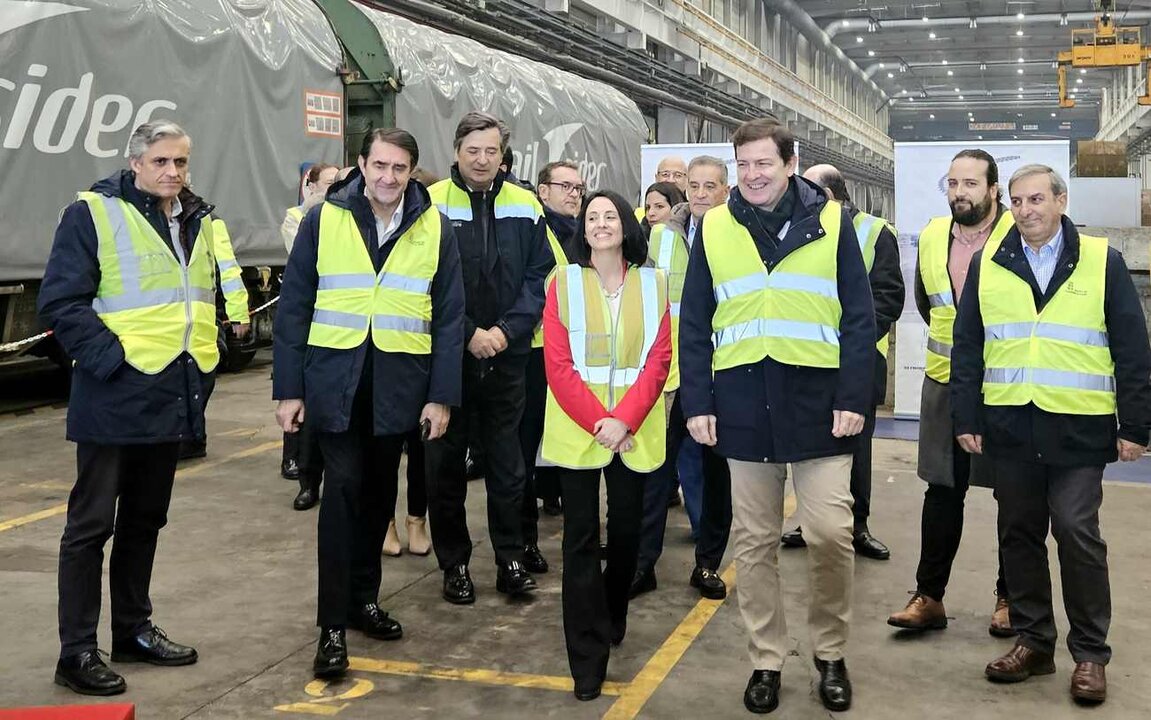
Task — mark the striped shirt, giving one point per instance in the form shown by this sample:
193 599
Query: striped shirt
1044 261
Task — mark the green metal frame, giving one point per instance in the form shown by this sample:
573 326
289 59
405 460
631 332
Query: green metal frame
371 79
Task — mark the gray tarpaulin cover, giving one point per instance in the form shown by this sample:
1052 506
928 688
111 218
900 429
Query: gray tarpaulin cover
554 115
77 76
254 83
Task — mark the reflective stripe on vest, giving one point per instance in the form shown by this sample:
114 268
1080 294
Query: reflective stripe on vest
668 250
351 298
868 228
791 314
608 353
934 243
158 302
1058 358
512 201
561 260
231 274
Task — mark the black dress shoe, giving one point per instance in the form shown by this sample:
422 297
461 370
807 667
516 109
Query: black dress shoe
553 507
534 561
153 646
866 545
834 685
87 674
762 693
513 579
710 585
306 499
458 586
586 690
375 623
644 581
793 539
332 654
290 469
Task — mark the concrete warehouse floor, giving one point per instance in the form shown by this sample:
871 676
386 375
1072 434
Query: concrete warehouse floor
235 576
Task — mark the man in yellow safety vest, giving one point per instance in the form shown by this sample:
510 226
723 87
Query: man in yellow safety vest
1050 382
129 291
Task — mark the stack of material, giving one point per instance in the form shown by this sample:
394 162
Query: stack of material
1145 209
1101 158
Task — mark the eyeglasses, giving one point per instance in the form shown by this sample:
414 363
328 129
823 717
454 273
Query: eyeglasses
568 188
671 175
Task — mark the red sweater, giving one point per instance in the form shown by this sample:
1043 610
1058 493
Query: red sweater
574 397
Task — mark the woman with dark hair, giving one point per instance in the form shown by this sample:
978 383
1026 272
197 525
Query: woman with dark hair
658 202
607 349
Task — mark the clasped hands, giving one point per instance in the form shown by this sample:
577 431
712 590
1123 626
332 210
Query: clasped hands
487 343
614 435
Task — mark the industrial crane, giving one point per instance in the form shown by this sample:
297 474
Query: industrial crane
1103 46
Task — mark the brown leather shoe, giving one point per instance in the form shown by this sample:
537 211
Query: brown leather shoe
921 613
1001 619
1019 664
1089 683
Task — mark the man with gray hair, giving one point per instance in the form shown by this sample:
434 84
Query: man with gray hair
702 473
505 257
129 291
1049 381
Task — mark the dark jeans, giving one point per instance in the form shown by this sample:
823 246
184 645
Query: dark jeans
594 600
122 490
539 482
417 474
493 392
941 528
1031 497
715 511
360 494
861 475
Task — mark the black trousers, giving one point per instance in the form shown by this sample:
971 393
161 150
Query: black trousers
861 474
303 446
594 600
941 529
539 482
715 509
362 475
493 393
417 475
1033 496
120 490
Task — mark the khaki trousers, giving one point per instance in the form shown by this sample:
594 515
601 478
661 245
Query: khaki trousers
822 487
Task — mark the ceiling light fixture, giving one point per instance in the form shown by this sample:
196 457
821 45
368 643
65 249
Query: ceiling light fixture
890 75
870 53
1019 16
960 97
950 73
944 62
1019 32
973 23
1019 71
1020 59
1052 114
931 116
1063 19
931 35
858 38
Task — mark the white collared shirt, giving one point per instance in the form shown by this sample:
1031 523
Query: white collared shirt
174 230
384 232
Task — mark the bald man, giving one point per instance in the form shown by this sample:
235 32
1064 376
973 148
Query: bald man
881 256
672 169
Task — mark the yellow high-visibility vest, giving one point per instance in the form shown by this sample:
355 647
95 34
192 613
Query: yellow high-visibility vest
231 280
791 314
609 355
1057 358
396 303
933 247
561 260
158 302
668 250
867 230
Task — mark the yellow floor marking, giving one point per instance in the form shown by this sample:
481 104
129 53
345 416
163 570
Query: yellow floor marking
311 708
485 677
181 473
640 690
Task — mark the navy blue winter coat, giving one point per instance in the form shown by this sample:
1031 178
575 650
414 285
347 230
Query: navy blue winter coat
111 402
768 411
402 383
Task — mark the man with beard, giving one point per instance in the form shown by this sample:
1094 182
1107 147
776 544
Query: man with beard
946 247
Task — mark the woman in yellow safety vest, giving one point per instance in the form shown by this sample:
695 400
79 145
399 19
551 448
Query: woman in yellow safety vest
317 180
658 202
607 351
